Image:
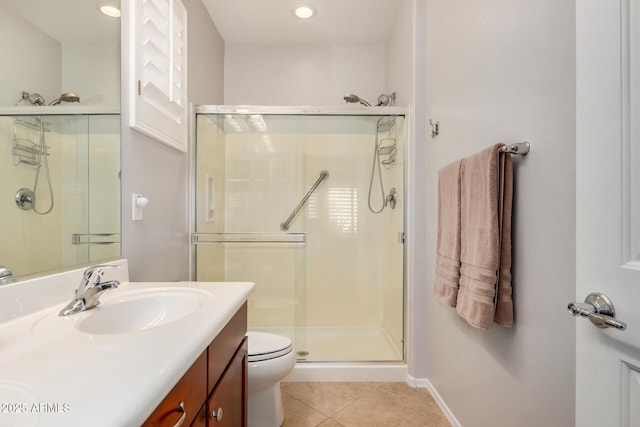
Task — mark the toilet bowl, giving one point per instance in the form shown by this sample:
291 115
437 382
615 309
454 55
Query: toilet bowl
271 358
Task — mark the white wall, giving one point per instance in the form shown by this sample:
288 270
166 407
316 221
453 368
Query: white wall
405 74
500 70
399 55
302 75
31 60
157 247
92 70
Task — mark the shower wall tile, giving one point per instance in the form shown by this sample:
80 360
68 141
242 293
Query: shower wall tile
210 208
104 182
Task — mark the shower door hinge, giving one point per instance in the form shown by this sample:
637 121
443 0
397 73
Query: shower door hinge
139 87
401 238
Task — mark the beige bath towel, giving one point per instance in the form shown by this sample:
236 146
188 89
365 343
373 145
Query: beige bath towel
486 188
445 286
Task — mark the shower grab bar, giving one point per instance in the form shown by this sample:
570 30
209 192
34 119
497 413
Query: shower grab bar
88 238
323 175
226 238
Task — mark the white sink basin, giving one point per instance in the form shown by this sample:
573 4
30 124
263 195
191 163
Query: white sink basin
140 311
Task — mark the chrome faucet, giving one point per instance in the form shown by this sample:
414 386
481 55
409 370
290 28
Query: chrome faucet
6 275
88 293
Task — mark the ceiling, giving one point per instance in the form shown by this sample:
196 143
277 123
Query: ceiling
271 22
266 22
68 21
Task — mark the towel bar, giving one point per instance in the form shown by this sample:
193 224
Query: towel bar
521 148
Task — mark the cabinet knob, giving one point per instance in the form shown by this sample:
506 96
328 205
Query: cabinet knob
216 415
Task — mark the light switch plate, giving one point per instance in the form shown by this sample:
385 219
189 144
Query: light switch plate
137 213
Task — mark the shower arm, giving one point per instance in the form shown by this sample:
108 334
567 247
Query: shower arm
323 175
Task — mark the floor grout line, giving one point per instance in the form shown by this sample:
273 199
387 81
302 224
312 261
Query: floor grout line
324 395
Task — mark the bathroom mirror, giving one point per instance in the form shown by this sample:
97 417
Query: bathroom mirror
59 135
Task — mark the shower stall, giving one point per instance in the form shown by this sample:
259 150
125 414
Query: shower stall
309 205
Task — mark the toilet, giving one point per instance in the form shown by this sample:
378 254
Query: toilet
271 358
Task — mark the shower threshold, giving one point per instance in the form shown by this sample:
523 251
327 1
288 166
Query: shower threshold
338 344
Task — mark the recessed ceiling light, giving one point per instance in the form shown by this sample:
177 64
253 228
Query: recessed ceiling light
304 11
109 9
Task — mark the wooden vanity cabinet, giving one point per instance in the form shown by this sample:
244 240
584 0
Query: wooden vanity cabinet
218 379
227 404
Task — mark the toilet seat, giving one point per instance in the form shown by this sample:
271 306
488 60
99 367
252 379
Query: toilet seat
265 346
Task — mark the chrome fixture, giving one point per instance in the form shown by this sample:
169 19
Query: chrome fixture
435 128
33 154
386 100
354 99
520 148
91 288
26 144
290 239
383 125
24 199
95 238
391 198
31 98
37 99
323 175
599 309
6 275
383 100
66 97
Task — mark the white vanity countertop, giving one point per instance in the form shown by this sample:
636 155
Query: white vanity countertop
53 374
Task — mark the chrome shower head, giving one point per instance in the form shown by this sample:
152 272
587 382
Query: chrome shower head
350 97
66 97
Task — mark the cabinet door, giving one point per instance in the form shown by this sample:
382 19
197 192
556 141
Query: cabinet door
184 399
201 418
227 405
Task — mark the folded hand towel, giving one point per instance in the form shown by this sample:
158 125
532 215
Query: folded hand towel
486 188
445 286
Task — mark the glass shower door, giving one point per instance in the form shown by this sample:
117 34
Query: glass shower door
331 278
244 182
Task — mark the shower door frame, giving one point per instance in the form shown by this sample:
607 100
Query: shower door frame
351 110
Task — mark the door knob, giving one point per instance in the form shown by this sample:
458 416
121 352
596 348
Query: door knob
599 309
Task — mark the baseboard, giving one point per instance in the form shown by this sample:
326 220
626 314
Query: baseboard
425 383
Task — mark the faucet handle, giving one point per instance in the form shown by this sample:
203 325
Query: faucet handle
89 271
95 271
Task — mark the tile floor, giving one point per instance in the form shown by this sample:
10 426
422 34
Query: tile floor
359 404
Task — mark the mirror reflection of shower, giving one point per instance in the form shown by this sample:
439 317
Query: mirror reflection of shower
27 98
31 148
